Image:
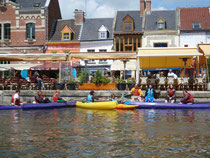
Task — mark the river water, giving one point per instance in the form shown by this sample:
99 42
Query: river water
73 132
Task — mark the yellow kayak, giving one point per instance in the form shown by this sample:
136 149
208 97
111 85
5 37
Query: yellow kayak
124 106
98 105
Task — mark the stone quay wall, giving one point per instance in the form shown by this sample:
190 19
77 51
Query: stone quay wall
80 95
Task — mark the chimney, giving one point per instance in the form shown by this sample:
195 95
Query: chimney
142 7
79 17
148 6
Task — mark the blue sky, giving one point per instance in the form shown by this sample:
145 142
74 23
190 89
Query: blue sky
107 8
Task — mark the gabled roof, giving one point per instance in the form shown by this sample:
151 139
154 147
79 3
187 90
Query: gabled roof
136 17
30 4
190 15
169 16
57 36
91 27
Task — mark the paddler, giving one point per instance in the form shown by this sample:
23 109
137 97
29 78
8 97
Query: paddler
15 101
91 97
137 93
171 94
57 97
187 98
38 98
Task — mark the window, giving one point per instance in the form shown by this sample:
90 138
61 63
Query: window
91 50
4 62
30 30
0 32
161 26
102 35
6 31
128 26
2 1
196 25
66 36
102 50
160 45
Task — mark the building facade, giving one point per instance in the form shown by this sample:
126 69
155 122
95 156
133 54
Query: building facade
25 25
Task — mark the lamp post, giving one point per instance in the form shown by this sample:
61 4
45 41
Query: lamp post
124 63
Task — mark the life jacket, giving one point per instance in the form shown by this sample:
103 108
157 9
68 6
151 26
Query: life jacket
190 98
55 98
170 92
90 98
13 99
136 92
41 97
150 93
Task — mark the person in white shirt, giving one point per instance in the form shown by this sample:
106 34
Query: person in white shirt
170 73
15 101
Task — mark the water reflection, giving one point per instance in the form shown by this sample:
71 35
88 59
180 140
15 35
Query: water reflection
97 133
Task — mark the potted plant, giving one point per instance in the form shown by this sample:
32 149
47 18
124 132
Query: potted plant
84 76
131 84
99 79
121 85
71 85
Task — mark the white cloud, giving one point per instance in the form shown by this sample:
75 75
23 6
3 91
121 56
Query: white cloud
159 8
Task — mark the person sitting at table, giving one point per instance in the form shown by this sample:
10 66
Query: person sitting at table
57 97
187 98
137 93
171 94
150 94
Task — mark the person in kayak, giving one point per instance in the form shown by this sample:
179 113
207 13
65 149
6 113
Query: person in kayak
113 97
187 98
171 94
150 94
91 97
137 93
40 98
57 97
15 101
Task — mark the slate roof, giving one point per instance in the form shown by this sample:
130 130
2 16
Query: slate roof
190 15
29 4
136 17
91 27
57 36
169 16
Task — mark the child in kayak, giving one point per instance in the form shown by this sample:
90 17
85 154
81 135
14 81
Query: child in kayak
171 94
91 97
15 101
187 98
150 94
57 97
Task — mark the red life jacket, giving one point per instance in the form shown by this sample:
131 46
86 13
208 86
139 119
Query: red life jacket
55 98
41 97
13 99
190 98
136 92
170 92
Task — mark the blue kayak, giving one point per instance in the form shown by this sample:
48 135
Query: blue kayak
161 105
39 106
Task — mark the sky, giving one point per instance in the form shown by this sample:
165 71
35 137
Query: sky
107 8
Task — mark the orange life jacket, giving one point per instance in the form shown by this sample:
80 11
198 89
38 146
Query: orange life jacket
190 98
55 98
136 92
170 92
13 99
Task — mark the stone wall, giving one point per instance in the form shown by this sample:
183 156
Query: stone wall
28 96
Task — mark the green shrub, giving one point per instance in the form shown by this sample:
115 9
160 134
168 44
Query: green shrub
99 78
83 78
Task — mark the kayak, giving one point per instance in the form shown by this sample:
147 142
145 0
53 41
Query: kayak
39 106
109 105
161 105
124 106
49 105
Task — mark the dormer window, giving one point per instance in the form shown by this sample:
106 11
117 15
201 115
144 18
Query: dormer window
161 24
196 25
128 23
67 33
103 32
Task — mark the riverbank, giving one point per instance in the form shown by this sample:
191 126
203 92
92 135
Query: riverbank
80 95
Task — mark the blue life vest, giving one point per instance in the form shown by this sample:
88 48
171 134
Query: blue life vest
90 98
150 93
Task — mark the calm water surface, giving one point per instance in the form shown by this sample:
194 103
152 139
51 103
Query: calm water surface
80 133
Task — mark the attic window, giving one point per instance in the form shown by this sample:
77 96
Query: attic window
196 25
161 24
128 23
67 33
36 4
103 32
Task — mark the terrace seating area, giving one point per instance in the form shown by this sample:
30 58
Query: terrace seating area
181 83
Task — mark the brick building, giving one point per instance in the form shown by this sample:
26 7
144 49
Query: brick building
25 25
